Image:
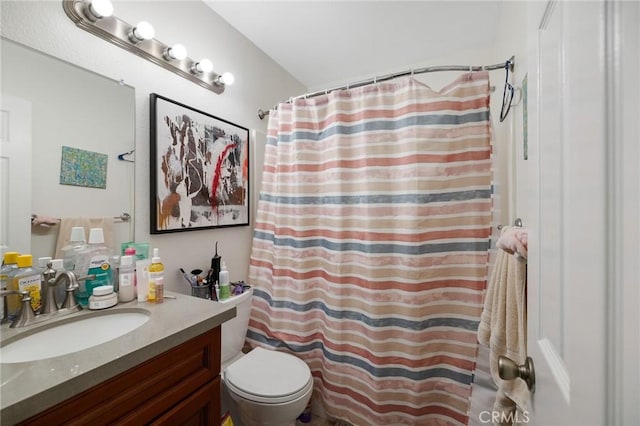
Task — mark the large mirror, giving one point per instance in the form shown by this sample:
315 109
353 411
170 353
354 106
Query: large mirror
75 131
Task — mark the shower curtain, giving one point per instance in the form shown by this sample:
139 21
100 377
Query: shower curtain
369 256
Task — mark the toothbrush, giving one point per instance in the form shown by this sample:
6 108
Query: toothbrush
187 277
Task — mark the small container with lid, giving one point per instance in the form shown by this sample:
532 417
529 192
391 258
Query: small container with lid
103 297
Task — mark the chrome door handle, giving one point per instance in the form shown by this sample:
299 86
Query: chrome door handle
509 370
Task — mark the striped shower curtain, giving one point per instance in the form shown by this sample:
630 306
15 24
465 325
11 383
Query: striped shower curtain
369 256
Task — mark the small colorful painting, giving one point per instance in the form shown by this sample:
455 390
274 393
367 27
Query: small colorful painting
83 168
199 169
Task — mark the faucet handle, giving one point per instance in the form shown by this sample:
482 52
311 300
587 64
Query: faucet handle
70 298
26 313
3 293
87 277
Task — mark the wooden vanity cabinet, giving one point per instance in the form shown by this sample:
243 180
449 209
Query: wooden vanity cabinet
178 387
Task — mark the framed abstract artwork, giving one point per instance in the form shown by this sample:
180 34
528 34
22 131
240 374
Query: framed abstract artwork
199 169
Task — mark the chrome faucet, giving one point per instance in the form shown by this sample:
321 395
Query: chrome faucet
49 307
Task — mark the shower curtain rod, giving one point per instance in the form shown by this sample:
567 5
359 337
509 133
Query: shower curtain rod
509 63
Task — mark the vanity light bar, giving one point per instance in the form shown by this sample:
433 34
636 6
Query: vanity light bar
91 17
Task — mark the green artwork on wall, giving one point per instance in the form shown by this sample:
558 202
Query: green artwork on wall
83 168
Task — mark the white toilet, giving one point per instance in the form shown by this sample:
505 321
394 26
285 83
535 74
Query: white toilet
263 387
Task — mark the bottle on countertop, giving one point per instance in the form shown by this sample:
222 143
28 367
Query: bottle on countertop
131 251
9 264
126 278
77 242
156 278
94 261
225 284
43 262
25 278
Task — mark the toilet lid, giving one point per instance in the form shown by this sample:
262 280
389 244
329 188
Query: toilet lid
268 376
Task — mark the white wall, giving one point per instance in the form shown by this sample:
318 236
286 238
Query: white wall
44 26
512 40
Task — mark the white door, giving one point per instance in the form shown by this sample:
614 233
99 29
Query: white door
574 222
15 175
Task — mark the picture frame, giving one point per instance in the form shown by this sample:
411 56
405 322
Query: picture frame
199 169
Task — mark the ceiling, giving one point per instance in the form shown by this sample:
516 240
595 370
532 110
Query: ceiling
327 43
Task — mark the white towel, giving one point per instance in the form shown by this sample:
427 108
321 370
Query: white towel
514 240
503 328
64 234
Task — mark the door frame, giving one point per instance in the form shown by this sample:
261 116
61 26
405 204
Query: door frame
622 44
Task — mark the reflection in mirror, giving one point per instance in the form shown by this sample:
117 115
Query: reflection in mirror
91 119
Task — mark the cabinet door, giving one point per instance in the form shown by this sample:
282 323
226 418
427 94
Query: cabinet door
201 408
145 392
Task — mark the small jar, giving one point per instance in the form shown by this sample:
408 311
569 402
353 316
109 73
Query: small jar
103 297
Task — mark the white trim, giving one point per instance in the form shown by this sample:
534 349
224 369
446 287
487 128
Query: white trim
558 368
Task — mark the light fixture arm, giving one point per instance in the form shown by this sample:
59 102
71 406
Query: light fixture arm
116 31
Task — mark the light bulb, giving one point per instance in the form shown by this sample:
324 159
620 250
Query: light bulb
226 79
142 31
98 9
177 51
204 66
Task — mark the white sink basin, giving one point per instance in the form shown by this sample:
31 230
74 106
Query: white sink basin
68 337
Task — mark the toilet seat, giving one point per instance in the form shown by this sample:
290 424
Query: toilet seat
268 377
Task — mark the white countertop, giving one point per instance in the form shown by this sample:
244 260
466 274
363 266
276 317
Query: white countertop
28 388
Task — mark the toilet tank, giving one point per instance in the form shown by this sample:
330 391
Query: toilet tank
234 331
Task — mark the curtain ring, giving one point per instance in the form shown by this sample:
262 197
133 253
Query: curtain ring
413 72
375 79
